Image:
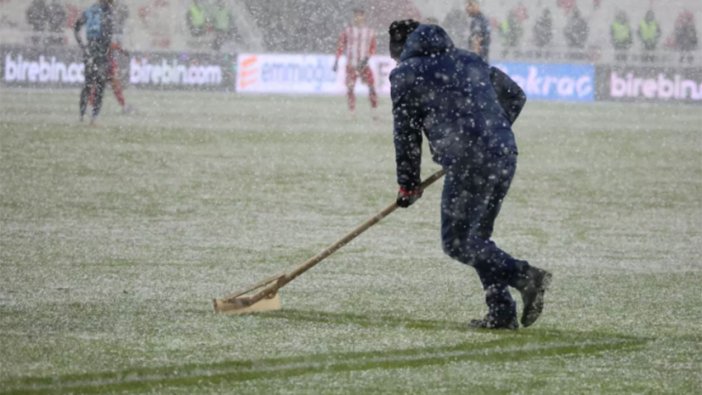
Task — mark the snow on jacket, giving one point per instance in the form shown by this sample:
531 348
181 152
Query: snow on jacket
447 94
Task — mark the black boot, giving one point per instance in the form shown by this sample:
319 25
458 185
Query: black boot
491 323
502 311
532 287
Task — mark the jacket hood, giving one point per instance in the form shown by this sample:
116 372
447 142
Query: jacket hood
427 40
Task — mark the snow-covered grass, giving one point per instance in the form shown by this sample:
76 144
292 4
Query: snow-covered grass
114 240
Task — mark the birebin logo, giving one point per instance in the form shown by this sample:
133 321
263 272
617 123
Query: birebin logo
661 87
42 71
143 72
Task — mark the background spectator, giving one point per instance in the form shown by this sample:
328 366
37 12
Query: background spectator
56 20
479 39
121 13
456 25
686 35
37 16
511 31
197 18
567 5
621 36
649 32
222 24
543 31
576 32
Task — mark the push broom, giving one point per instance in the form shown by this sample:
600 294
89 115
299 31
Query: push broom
263 296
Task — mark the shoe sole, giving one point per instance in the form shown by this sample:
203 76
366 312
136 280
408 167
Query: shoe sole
532 312
479 325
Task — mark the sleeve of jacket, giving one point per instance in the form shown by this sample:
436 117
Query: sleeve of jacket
407 131
512 98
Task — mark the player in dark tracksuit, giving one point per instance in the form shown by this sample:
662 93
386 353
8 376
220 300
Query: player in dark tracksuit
479 39
98 22
451 96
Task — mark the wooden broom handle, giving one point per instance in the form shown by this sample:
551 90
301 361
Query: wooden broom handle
280 281
303 267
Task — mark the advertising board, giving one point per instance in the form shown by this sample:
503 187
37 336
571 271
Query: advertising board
554 82
172 70
23 66
304 74
63 67
651 84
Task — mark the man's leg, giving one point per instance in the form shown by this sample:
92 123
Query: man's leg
502 309
498 175
113 76
350 84
100 81
367 78
530 281
86 94
470 203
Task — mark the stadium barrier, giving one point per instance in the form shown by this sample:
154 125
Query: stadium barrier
304 74
182 70
651 84
63 68
41 67
23 66
312 74
554 82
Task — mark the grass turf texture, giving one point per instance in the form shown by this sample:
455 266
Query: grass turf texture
114 240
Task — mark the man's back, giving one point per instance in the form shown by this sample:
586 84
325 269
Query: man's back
448 93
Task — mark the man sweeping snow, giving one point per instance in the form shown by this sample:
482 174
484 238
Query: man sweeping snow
466 109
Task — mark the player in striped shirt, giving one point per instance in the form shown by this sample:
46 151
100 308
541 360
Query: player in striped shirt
358 43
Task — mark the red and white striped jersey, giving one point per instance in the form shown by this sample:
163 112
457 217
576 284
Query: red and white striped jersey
356 42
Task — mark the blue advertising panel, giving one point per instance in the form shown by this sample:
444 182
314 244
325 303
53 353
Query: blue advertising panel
556 82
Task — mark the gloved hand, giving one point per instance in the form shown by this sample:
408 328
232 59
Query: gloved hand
336 66
406 198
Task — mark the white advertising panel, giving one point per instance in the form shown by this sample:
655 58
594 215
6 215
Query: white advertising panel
305 74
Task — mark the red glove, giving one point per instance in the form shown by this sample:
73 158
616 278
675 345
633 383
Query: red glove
406 198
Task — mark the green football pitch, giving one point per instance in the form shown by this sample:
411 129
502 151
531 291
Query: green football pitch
114 239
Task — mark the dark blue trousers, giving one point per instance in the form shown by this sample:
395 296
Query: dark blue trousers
472 197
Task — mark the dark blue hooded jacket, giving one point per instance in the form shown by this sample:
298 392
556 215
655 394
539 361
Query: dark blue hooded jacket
446 93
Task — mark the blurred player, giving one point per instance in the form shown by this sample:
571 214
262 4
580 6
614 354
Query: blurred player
98 21
121 13
114 76
358 43
479 40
